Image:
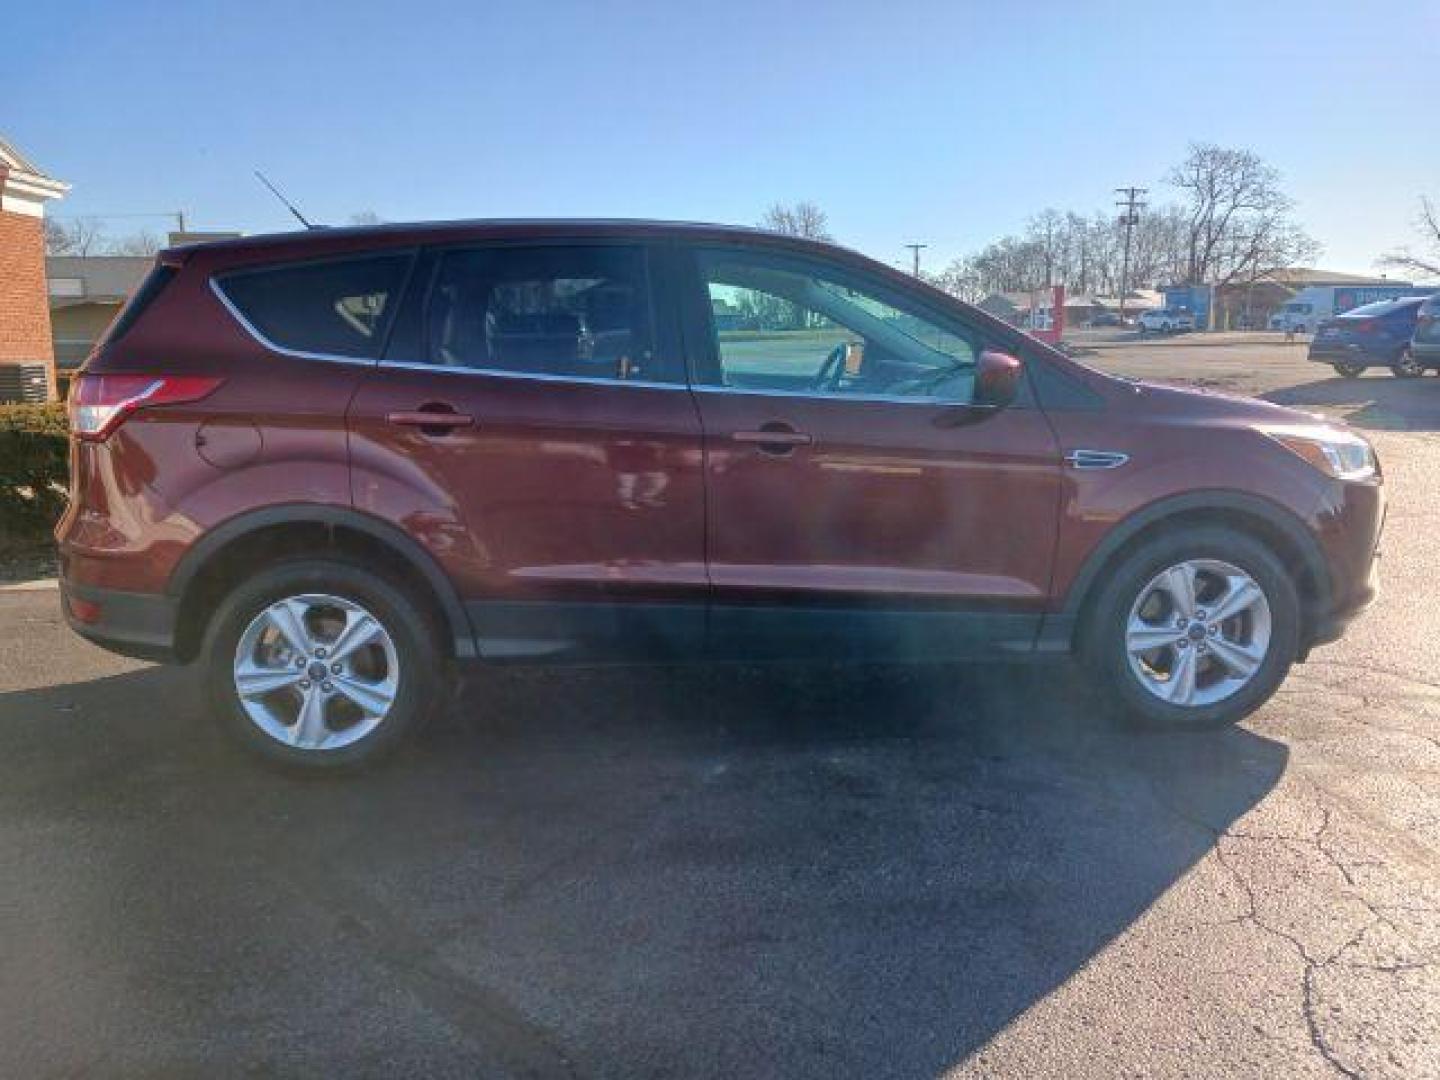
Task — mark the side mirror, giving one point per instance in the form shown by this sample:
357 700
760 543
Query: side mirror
997 379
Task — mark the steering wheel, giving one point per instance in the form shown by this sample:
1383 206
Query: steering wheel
831 371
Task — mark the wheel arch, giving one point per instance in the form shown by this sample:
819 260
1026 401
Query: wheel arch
252 539
1273 525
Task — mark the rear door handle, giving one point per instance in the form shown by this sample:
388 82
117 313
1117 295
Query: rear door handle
436 419
774 438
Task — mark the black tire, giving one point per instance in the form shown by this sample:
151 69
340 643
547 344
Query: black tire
1349 371
1406 366
1103 647
421 681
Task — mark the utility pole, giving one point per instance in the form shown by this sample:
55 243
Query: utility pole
1130 207
915 250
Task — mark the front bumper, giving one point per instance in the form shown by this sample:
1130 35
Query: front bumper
140 625
1331 626
1352 521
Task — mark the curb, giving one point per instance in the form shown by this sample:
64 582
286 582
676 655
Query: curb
39 585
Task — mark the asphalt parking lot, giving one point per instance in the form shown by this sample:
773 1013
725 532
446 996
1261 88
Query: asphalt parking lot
792 871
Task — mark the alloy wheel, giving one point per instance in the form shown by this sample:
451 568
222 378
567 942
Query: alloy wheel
316 672
1198 632
1407 367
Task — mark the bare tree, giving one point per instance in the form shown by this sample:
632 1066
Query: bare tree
1159 248
77 236
802 219
140 243
960 279
1237 220
1428 263
1234 226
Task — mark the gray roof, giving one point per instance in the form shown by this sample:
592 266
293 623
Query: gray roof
100 277
1308 275
11 156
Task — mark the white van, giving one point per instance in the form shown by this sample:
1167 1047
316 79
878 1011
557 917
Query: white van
1310 306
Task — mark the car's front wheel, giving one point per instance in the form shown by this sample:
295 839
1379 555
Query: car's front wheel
321 664
1349 371
1406 366
1195 629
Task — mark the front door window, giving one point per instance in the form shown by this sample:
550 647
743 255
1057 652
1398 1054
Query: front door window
781 325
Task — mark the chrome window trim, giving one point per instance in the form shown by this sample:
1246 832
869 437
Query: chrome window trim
888 399
300 354
579 380
533 376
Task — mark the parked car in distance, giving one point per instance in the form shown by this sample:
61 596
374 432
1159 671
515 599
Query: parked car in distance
1107 318
1165 321
1425 345
327 466
1376 335
1312 305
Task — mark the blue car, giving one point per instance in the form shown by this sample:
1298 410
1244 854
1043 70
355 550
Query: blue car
1425 346
1375 335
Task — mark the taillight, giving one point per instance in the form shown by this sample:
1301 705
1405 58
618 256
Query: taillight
99 404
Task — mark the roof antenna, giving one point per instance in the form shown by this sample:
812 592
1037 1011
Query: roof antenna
276 192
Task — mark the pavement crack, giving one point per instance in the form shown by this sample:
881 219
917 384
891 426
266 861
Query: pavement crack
1311 965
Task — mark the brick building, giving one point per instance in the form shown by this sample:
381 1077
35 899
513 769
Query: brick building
24 302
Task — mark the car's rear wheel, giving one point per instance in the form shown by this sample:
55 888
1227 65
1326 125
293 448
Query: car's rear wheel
1195 629
1406 366
1349 371
321 664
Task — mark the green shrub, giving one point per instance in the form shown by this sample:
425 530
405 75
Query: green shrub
34 469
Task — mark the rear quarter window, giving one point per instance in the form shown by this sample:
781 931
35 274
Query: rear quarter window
339 307
154 283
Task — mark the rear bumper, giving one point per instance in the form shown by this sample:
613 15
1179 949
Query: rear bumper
1340 353
140 625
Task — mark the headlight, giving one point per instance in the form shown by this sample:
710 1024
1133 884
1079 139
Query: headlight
1335 452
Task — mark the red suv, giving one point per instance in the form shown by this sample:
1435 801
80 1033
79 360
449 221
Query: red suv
325 465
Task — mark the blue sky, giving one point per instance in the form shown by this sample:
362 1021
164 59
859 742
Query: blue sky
948 123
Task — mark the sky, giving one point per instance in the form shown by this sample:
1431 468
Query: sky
945 123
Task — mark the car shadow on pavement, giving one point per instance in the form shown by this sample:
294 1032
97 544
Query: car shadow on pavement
1380 402
625 872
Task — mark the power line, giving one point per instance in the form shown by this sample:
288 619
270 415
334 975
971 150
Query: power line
915 250
178 216
1131 207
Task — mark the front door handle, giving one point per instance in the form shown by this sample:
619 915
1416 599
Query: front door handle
431 419
773 438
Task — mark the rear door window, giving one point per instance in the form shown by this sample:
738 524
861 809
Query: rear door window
336 308
560 311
